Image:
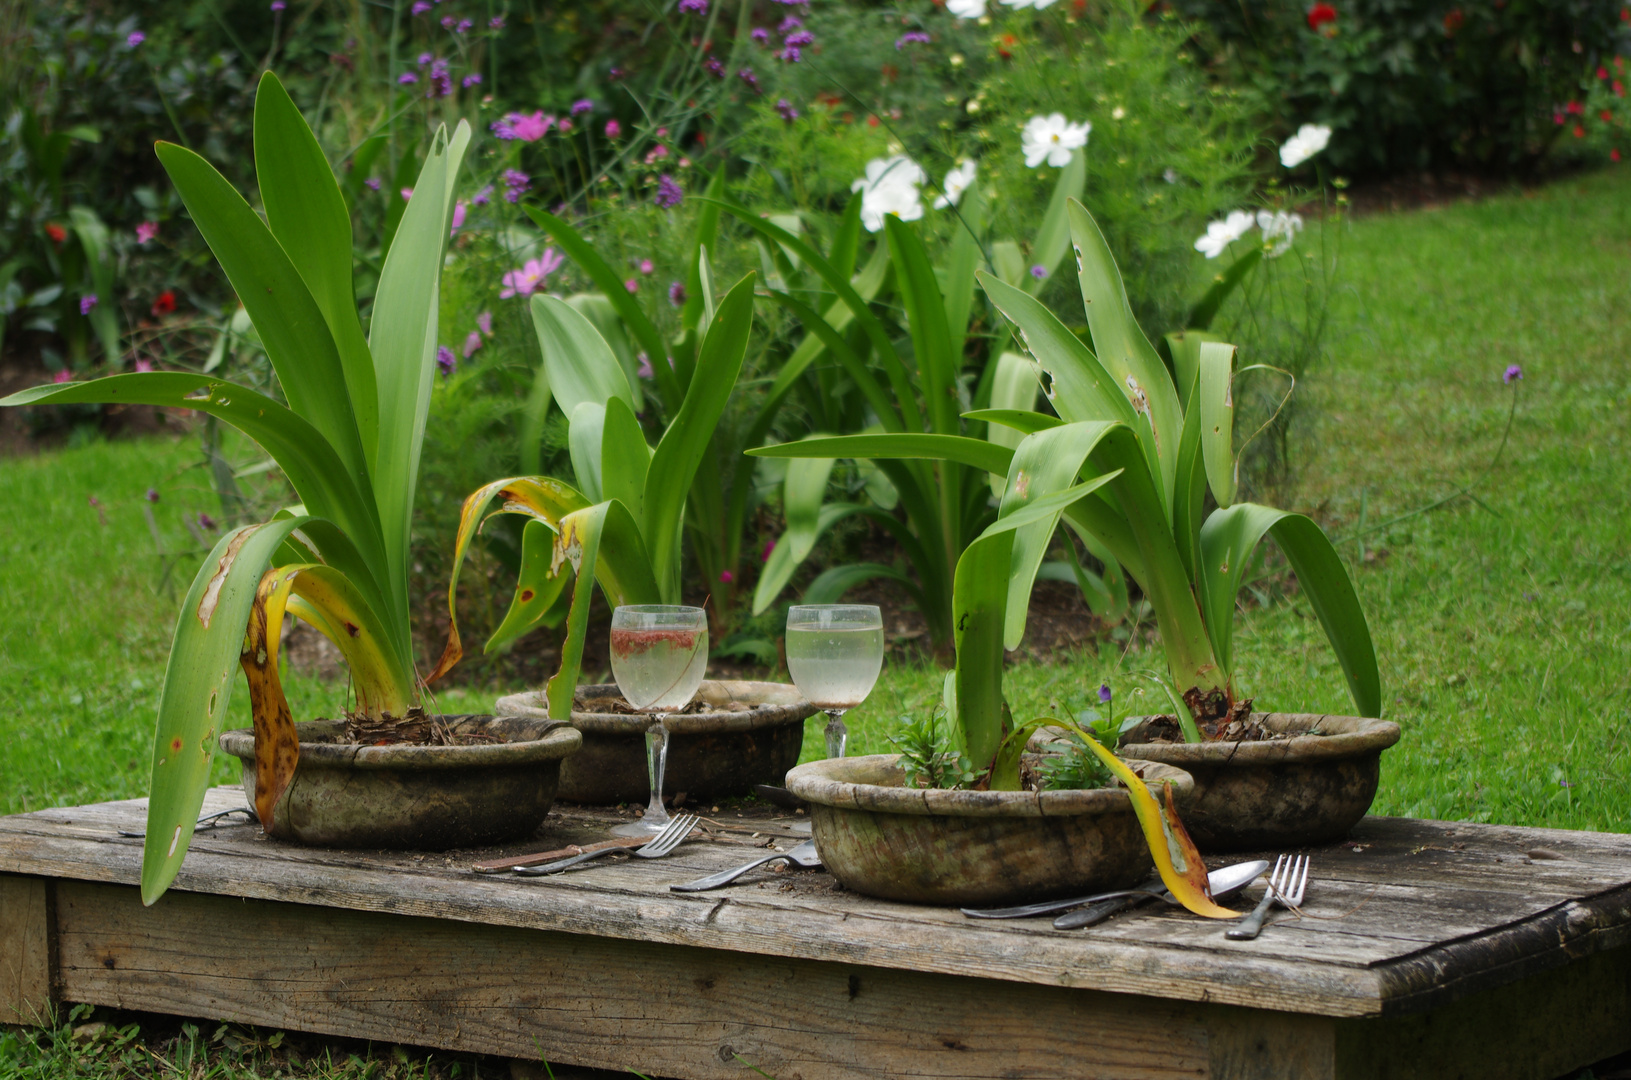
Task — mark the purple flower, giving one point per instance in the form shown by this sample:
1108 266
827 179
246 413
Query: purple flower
695 7
1039 271
425 58
647 266
205 521
581 106
420 7
532 275
669 193
88 301
726 577
278 5
770 546
644 370
1510 376
485 322
713 67
407 193
441 83
496 23
447 22
460 208
785 110
135 38
613 129
143 366
752 80
789 24
1104 693
800 39
791 54
152 495
445 360
62 376
523 127
907 38
676 294
483 197
515 185
470 80
760 34
464 25
632 285
146 231
472 342
372 183
407 78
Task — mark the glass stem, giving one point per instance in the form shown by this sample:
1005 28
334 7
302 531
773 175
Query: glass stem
656 763
837 733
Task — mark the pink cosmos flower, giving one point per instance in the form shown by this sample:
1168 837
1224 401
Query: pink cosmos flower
644 370
532 275
485 321
530 128
613 129
146 231
726 576
471 343
62 376
646 266
144 365
632 284
407 193
459 210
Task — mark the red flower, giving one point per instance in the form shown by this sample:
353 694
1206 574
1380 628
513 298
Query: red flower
1614 154
165 304
1320 14
1608 117
1625 14
1619 88
1574 108
1557 118
1453 21
56 232
1579 132
1602 73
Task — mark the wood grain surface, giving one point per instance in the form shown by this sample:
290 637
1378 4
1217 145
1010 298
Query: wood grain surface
1403 917
27 953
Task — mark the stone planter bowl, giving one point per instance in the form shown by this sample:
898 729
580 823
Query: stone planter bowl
972 848
1254 796
428 798
751 735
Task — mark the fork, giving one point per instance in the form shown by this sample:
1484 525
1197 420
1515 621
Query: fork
661 844
1287 884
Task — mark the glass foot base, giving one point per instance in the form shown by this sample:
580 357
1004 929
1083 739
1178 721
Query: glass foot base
646 826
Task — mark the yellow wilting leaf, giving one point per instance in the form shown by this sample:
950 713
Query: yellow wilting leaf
277 746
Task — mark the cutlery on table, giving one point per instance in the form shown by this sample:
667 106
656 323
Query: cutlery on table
1286 887
661 844
803 855
211 821
1222 882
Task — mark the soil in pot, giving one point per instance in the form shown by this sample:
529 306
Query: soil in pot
974 848
736 734
485 780
1293 780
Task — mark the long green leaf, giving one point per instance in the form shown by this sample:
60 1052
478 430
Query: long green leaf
1227 542
581 365
625 459
680 452
307 214
1013 392
1121 346
609 325
198 683
975 453
1189 485
832 583
1206 309
93 240
402 338
963 259
290 324
1053 237
1217 409
586 436
919 292
1022 421
979 602
824 337
605 278
537 586
1185 348
803 490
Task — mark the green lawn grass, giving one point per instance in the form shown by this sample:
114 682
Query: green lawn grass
1503 625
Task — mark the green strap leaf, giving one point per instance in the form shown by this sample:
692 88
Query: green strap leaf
832 583
1227 542
308 216
1053 238
1217 409
926 320
585 436
1189 486
290 324
825 336
1185 347
198 682
979 611
976 453
537 587
93 239
581 365
1023 421
609 325
803 489
625 459
1206 309
961 262
605 278
681 450
1122 348
1013 393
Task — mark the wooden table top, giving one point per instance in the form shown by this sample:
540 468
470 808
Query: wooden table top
1405 915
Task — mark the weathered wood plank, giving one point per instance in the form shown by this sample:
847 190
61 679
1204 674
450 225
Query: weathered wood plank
681 1012
26 950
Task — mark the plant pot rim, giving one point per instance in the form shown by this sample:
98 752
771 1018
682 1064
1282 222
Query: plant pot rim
1348 736
539 741
770 704
849 784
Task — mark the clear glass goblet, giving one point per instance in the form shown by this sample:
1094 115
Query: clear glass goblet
834 653
659 655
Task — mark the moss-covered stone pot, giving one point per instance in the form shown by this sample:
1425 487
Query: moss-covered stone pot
1311 788
972 848
750 734
426 798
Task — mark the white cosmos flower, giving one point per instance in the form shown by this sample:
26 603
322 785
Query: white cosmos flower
966 9
1309 140
890 186
958 181
1051 139
1280 229
1220 234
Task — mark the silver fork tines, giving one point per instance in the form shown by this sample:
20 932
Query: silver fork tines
1287 884
658 846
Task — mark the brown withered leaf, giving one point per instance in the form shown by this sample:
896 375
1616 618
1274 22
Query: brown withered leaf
277 746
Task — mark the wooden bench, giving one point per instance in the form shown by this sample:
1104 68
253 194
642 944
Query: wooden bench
1426 949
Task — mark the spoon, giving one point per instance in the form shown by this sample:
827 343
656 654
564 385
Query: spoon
1222 882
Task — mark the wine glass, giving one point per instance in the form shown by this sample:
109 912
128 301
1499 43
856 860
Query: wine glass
659 653
834 653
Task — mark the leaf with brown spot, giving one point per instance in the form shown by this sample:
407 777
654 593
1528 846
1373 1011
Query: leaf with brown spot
277 746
